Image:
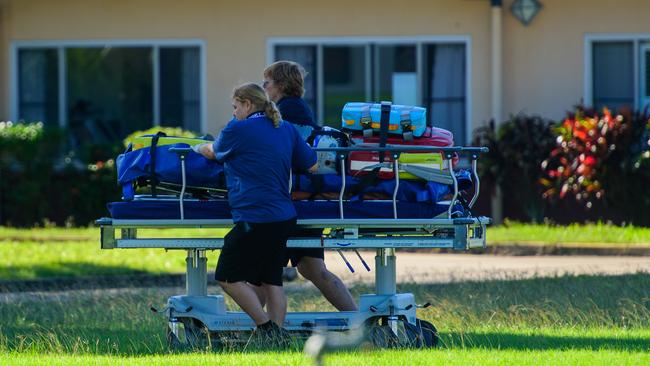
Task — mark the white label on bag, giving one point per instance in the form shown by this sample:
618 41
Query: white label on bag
357 165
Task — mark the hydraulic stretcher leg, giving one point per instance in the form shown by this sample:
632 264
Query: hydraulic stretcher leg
196 278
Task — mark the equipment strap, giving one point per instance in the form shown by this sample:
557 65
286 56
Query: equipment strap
366 120
152 166
384 124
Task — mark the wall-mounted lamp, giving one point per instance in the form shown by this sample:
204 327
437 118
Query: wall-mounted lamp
525 10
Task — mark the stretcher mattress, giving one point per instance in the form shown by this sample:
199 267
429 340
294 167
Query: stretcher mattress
219 209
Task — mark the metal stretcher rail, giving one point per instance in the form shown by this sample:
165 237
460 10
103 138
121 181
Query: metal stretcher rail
459 234
441 232
382 235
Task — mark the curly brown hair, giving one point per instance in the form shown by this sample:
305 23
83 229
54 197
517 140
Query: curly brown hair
289 76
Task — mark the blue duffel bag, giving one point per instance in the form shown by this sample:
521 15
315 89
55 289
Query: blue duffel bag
155 164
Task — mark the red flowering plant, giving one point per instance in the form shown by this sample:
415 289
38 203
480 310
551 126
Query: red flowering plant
643 161
597 154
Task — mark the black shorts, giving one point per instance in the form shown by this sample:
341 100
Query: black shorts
294 255
254 253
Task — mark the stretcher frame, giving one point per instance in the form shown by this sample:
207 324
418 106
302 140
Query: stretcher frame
197 316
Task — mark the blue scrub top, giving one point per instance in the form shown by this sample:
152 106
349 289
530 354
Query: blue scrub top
296 111
257 160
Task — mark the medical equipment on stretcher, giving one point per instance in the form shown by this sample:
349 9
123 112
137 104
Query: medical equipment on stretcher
197 319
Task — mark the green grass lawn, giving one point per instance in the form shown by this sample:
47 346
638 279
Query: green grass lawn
510 232
485 357
72 252
583 320
593 235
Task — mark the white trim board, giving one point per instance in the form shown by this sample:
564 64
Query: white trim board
352 40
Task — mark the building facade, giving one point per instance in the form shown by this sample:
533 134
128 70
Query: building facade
115 66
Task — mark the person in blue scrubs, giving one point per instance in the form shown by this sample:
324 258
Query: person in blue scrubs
258 151
284 83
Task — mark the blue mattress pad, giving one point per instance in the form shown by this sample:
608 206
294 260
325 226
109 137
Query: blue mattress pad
219 209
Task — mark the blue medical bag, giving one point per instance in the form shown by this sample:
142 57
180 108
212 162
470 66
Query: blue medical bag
155 164
408 121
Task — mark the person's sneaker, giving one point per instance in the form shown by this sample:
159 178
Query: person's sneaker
270 336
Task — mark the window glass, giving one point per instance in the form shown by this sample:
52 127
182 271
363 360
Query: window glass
110 92
613 74
180 102
38 86
646 66
344 80
445 94
306 57
395 76
393 72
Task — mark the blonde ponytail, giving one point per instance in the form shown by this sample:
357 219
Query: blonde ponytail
272 113
259 99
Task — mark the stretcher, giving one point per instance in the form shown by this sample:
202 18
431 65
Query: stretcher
388 318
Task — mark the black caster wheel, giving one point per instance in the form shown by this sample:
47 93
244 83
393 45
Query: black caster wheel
428 332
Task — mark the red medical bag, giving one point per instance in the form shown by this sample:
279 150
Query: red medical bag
364 162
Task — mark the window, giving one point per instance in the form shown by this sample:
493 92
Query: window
305 56
180 99
429 73
344 79
109 92
613 74
38 84
617 71
103 92
445 92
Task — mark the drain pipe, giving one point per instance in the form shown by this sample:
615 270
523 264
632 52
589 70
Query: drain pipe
497 95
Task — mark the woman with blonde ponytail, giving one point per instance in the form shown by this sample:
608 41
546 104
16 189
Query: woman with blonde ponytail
272 112
258 151
284 83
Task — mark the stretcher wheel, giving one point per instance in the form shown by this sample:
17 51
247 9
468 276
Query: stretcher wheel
413 336
382 336
197 334
429 333
173 342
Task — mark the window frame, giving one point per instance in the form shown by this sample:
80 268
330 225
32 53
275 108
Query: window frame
418 41
637 40
62 45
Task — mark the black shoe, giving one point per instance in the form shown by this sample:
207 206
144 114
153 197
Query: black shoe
270 336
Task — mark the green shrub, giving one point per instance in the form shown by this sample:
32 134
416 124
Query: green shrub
41 181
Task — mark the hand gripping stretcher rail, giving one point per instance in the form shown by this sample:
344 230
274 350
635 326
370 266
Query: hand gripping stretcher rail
197 319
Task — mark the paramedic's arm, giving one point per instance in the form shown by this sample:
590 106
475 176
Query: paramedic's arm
303 156
226 143
206 150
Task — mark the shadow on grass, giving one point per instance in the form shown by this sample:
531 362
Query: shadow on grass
63 276
514 341
122 324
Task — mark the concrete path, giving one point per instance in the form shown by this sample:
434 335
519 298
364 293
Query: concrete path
441 268
413 268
